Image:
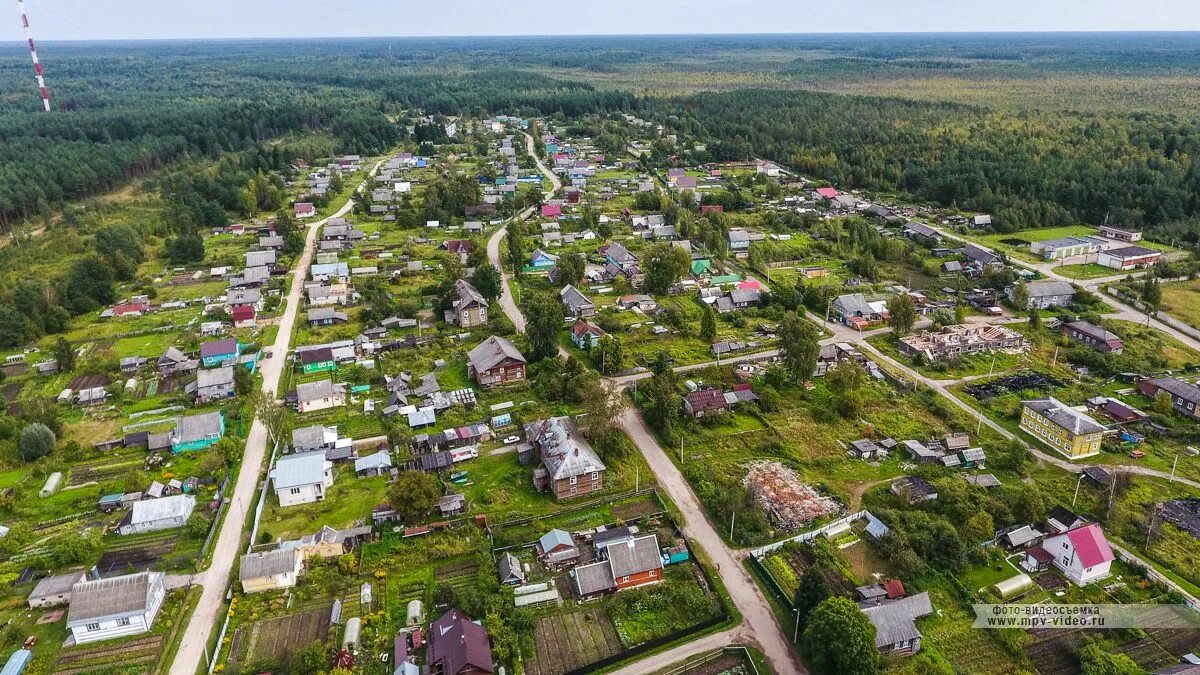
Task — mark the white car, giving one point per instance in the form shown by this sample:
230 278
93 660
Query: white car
512 439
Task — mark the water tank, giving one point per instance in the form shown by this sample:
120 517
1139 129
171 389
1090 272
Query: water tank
415 614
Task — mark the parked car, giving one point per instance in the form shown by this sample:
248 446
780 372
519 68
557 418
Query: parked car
1137 454
512 439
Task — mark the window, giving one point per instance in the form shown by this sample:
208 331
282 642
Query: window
574 479
295 491
123 622
624 579
1065 546
595 475
93 627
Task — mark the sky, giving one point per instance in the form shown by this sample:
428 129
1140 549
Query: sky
163 19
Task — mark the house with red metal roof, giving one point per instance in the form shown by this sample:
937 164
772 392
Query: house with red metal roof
826 193
458 645
1082 554
551 210
705 402
243 316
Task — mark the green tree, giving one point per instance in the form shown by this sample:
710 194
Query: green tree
902 313
1162 403
1152 293
708 324
1020 296
846 382
1035 318
243 381
36 441
569 270
487 280
185 249
64 354
516 249
602 407
811 591
664 265
1094 659
413 495
840 640
800 343
608 355
543 321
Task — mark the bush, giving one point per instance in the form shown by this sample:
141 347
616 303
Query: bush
36 441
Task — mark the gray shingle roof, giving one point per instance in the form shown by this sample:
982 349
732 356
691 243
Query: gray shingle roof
492 352
894 620
198 427
312 391
268 564
565 452
640 554
573 298
152 510
215 377
1038 289
1059 413
116 596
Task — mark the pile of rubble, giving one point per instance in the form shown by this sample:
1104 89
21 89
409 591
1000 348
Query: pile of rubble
788 503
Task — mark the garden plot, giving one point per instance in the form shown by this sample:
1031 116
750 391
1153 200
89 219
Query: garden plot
136 551
108 658
788 503
572 640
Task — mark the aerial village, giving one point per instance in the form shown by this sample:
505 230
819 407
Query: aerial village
552 395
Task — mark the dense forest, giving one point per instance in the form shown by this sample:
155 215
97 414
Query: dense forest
124 110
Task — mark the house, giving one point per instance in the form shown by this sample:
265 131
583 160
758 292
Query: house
319 395
1045 294
1120 234
330 543
1082 554
1060 520
739 240
1063 428
325 316
214 384
586 335
301 478
495 361
1128 257
704 402
551 210
981 258
1093 336
458 646
271 242
471 308
244 316
318 360
271 570
510 570
958 340
1020 537
324 439
304 210
895 623
556 548
576 303
173 362
244 297
54 591
540 261
1185 397
913 229
196 432
219 353
853 310
115 607
570 467
914 489
1064 247
744 297
865 448
451 505
377 464
1037 559
636 561
158 514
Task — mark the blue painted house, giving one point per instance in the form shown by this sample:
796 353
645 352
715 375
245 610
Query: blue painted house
197 432
539 260
219 353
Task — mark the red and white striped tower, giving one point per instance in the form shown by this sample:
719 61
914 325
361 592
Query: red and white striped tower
37 65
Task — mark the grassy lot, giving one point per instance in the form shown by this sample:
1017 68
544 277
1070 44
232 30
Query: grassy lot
347 503
1086 271
1182 301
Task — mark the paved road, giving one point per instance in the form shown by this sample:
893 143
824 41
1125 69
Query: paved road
215 579
542 165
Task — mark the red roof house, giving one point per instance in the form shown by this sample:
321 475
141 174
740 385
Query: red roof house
1082 554
551 210
712 208
243 315
894 589
458 645
304 210
704 402
827 192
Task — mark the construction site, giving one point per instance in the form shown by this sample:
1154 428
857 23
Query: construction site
962 339
789 503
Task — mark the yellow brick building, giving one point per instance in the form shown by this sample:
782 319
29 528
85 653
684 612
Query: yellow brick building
1068 431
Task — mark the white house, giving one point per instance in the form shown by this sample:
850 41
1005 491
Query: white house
1083 554
115 607
158 514
270 570
302 478
319 395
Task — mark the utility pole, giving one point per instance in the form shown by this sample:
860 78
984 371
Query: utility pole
732 520
1173 465
1076 490
637 481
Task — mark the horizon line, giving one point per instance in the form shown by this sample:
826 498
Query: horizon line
326 38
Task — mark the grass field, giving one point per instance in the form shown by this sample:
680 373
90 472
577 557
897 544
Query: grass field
1182 301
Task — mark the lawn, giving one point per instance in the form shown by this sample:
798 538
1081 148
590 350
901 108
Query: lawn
1086 271
349 501
1182 301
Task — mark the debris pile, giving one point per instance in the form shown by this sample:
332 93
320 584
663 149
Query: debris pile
788 503
1022 382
